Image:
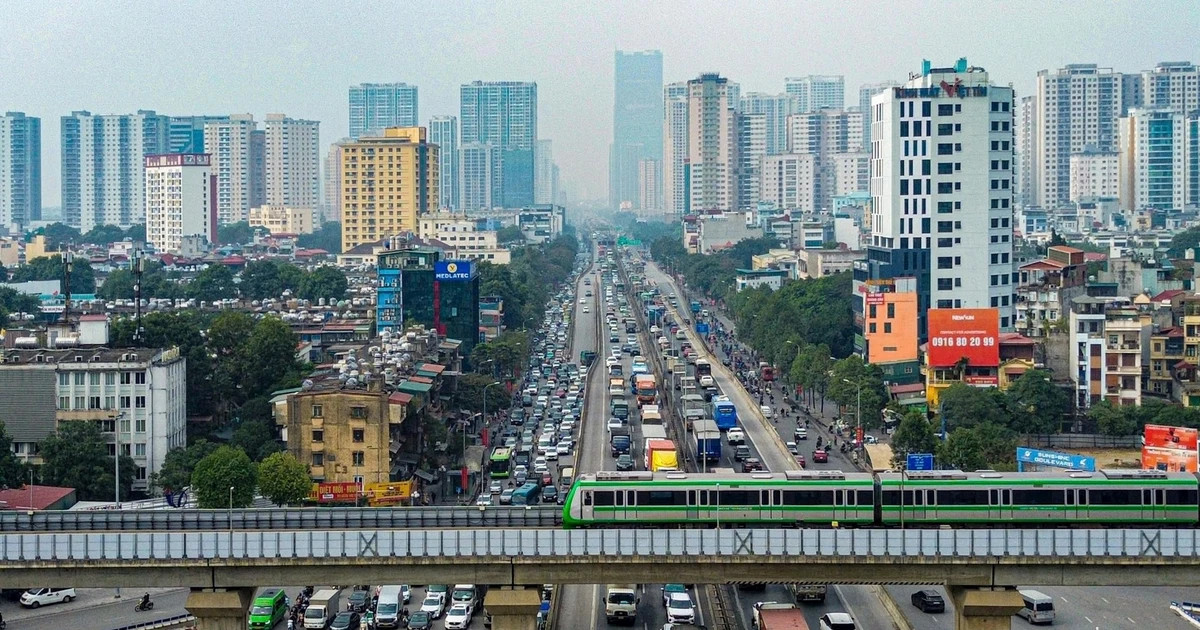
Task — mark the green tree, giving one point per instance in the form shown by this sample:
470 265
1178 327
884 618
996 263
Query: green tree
469 394
235 233
850 377
510 234
76 456
985 445
179 329
13 472
1116 421
214 283
118 285
13 301
1038 405
324 282
272 357
59 234
328 237
104 235
83 278
1183 241
225 468
260 280
136 233
284 479
914 435
964 406
176 472
290 277
256 438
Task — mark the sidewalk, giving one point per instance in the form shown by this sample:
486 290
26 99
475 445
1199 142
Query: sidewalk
85 599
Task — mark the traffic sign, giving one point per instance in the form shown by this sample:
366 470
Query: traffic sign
920 461
1053 458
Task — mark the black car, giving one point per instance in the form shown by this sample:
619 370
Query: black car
929 601
625 462
741 453
346 620
549 494
359 601
420 621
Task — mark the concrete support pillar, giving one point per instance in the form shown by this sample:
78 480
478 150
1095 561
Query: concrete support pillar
513 608
985 608
220 609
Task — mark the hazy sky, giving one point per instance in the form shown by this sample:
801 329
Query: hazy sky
299 57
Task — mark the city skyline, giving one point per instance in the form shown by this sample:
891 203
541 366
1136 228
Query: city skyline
66 60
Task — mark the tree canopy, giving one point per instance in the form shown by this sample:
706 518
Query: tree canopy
235 233
83 278
13 472
328 237
324 282
76 456
284 479
225 468
213 283
176 472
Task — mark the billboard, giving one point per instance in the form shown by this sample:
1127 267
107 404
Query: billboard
453 270
335 492
957 333
1159 436
1168 459
1055 459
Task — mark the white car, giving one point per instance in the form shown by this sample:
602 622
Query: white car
735 437
36 597
434 605
551 455
458 617
680 609
837 621
614 423
563 448
767 412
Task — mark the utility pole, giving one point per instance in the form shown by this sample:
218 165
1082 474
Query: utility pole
68 262
138 267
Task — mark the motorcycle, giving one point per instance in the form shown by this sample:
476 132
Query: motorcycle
143 606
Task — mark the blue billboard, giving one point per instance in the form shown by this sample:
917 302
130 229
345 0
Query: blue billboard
453 270
1053 458
920 461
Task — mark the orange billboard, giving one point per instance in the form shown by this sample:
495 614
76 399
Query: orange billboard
1159 436
958 333
1168 459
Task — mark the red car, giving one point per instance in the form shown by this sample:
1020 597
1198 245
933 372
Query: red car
820 457
800 460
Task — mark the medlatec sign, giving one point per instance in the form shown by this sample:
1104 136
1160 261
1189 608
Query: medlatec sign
453 270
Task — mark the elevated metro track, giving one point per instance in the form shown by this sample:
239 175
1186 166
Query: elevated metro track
964 557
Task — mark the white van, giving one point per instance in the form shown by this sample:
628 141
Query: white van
387 611
1039 607
36 597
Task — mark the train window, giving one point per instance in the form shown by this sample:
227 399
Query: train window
619 498
1181 497
963 497
866 497
603 498
1070 496
890 497
914 497
808 497
587 498
739 497
994 497
1110 496
661 497
777 497
704 498
692 497
1037 497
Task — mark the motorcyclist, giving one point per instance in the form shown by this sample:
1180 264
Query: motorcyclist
145 603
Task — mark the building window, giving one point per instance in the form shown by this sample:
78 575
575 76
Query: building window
110 378
93 402
887 327
139 449
126 378
140 425
318 459
64 402
318 435
359 435
359 458
125 402
110 402
139 378
317 410
94 378
358 412
871 328
140 402
64 379
79 378
80 401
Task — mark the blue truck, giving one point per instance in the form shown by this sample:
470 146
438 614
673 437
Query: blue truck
706 441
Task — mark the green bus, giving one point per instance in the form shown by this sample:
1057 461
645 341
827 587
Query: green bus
528 494
501 464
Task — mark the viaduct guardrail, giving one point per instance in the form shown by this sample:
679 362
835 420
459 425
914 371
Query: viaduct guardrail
964 557
281 519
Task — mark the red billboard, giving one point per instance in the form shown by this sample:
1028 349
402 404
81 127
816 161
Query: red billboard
335 492
1159 436
958 333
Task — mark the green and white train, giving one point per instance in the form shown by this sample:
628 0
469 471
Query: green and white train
918 499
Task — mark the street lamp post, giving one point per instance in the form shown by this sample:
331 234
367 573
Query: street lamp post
117 460
230 510
858 411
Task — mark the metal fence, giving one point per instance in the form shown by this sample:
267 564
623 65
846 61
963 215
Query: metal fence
1083 440
280 519
1131 546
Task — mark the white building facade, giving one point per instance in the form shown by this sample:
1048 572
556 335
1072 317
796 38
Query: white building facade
180 199
712 145
788 181
293 162
1093 174
443 131
102 166
1153 160
1077 108
230 143
816 92
20 170
675 148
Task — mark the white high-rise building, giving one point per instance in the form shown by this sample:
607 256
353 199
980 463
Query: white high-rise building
479 163
712 145
1173 85
103 176
545 184
180 199
20 170
443 131
332 210
1026 148
293 162
1094 174
866 92
775 109
1077 109
788 181
649 194
851 173
751 147
232 147
1153 160
675 148
941 188
825 133
377 106
817 91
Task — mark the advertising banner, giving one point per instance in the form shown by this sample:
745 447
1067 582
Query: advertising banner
335 492
957 333
453 270
388 492
1161 436
1168 459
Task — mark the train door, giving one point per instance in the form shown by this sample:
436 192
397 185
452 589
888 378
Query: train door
1154 504
914 500
771 504
696 499
1071 507
999 504
621 511
839 504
